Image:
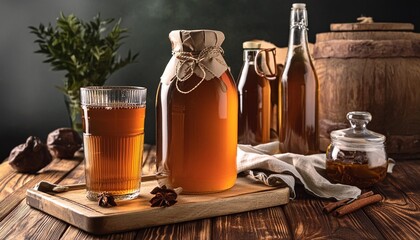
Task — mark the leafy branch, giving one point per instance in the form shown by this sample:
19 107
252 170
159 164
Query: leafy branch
83 49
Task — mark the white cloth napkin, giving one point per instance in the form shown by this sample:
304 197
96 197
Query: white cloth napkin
263 164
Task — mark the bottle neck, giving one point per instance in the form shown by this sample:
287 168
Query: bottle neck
249 55
298 28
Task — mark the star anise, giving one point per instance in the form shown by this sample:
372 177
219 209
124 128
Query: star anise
106 199
164 197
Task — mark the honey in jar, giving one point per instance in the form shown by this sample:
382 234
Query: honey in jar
197 111
356 156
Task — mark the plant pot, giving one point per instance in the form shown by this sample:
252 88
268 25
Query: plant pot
72 102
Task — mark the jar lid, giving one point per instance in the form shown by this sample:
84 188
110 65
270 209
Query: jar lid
196 52
299 5
251 45
195 40
358 134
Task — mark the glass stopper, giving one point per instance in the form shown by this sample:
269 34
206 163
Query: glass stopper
359 120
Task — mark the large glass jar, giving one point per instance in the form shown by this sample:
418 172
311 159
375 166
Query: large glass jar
356 156
197 115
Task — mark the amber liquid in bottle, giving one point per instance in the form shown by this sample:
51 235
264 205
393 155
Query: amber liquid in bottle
113 142
197 134
298 95
274 122
254 115
298 124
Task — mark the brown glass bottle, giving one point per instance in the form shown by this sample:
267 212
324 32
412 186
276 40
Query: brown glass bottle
254 90
274 85
298 91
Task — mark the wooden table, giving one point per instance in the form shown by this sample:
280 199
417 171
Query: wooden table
397 217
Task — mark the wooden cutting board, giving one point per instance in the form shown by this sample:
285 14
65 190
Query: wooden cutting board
74 208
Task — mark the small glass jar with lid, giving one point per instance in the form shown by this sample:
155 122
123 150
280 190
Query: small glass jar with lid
356 155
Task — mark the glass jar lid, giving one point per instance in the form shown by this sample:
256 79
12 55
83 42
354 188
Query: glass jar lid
358 134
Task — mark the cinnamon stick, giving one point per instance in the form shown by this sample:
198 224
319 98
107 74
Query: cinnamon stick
334 205
356 205
364 195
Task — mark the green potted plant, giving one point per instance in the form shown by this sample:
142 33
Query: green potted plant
86 51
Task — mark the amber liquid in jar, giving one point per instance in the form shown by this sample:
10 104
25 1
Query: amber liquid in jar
299 104
254 116
197 134
113 145
353 168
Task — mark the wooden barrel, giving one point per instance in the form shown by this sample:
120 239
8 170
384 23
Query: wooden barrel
372 67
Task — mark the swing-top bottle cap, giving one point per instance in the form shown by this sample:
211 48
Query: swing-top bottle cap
299 5
251 45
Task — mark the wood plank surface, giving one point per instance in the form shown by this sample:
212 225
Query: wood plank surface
54 172
398 216
307 221
5 169
270 223
10 181
26 223
75 233
193 230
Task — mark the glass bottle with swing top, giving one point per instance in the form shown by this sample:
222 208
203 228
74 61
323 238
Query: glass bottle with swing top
298 91
255 105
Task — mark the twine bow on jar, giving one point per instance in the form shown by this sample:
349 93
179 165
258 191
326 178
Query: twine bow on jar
189 61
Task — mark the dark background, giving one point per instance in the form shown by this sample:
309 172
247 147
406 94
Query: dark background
31 105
